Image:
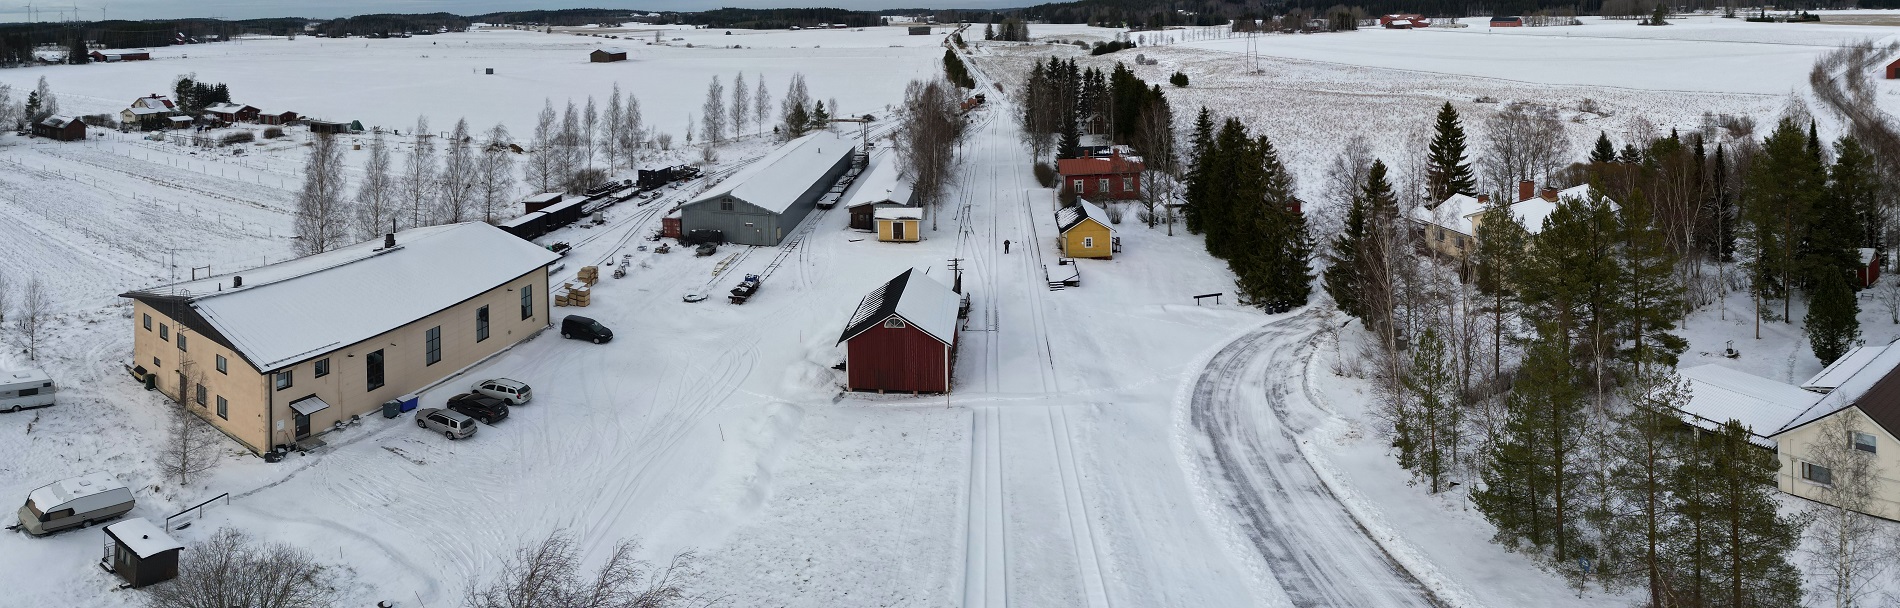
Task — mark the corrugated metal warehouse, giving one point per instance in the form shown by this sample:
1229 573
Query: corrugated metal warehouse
763 203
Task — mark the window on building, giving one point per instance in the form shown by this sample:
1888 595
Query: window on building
164 332
1864 442
432 343
373 366
181 340
725 205
527 302
155 362
1128 184
1460 240
148 322
1440 233
1101 184
1078 186
323 367
223 366
1817 474
224 408
201 394
481 324
283 380
1088 242
894 323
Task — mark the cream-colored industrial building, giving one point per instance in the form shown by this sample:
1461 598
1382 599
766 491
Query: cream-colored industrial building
280 353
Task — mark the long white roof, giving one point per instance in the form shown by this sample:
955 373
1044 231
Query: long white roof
59 492
1453 214
1850 390
1837 373
775 182
289 311
1719 394
880 184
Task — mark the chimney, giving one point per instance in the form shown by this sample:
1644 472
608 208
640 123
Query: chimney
389 241
237 281
1484 199
1550 193
1525 189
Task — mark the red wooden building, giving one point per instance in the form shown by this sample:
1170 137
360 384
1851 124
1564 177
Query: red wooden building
1869 270
62 128
903 337
1893 70
1102 178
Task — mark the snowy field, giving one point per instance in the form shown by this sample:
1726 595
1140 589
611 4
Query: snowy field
1107 445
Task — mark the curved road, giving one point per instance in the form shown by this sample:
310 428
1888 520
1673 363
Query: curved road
1252 408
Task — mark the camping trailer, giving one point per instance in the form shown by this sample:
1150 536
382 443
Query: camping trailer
74 502
25 390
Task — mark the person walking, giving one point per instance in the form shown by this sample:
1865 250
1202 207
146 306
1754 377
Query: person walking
1005 246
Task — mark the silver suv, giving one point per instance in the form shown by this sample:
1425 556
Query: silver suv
450 424
514 392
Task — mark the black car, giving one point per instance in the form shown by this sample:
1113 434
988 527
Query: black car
487 409
576 327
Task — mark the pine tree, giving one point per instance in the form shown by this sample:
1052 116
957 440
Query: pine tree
1753 541
1356 279
1854 181
1779 195
1630 155
1532 473
1232 166
1446 170
1198 180
1273 253
1605 152
1832 323
1651 294
820 119
1649 450
1430 437
1502 242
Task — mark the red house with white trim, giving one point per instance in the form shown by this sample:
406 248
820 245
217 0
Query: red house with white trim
903 337
1102 178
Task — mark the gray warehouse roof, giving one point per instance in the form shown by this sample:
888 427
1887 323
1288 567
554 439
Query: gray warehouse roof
775 182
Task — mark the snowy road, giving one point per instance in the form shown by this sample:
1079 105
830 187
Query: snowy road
1251 408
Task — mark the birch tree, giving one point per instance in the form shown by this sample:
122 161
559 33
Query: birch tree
761 105
927 139
418 186
741 105
321 218
1846 547
795 110
633 132
569 143
376 195
712 114
191 445
495 173
30 317
542 162
459 178
590 125
613 136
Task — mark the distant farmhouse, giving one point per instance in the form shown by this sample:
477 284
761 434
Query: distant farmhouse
136 55
607 54
149 113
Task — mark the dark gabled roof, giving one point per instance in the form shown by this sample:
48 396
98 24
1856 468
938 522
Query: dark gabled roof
1067 218
924 304
1875 390
179 308
876 306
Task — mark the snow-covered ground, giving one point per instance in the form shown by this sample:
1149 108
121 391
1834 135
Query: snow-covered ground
1078 463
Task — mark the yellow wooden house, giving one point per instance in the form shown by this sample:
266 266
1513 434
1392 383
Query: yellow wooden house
1085 231
899 224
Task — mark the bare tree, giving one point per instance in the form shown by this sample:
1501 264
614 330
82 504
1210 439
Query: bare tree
613 136
191 445
495 176
664 141
927 139
633 133
741 105
590 126
548 575
543 162
9 111
713 113
6 299
1344 176
460 179
321 220
761 105
230 569
568 143
1524 142
49 103
1888 293
418 185
376 196
794 109
1846 545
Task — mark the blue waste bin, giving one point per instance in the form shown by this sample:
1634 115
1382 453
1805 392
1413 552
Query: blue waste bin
408 401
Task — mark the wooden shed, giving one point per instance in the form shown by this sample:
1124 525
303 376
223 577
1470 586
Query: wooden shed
62 128
276 118
325 126
140 553
1086 232
540 202
903 337
900 224
607 54
1893 70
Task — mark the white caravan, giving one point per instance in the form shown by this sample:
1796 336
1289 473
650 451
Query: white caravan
25 390
80 501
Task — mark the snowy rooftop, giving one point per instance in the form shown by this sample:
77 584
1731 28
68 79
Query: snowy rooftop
58 121
1114 165
1453 214
23 376
1068 217
142 537
58 492
1719 394
291 310
612 50
1534 210
880 184
899 213
773 183
1874 388
923 302
1841 369
544 197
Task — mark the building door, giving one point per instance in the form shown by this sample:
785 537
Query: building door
303 426
897 231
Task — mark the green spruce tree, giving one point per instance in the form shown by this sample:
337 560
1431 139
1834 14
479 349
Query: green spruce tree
1533 473
1446 170
1200 144
1605 152
1753 541
1832 323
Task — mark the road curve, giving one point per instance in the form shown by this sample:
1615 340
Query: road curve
1250 407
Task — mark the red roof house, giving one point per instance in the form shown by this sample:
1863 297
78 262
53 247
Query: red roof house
1102 178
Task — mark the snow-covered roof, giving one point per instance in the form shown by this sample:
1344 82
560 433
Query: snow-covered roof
59 492
1534 210
612 50
544 197
1866 256
1875 388
23 376
290 311
880 184
142 537
1841 369
1453 214
899 213
775 182
228 108
145 111
1719 394
1067 218
153 101
1096 165
58 121
922 302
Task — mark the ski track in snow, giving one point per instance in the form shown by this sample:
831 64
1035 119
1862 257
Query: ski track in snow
1250 407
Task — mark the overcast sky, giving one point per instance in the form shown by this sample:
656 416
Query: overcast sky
45 10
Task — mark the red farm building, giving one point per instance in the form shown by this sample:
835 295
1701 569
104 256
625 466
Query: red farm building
903 337
1110 178
1893 70
62 128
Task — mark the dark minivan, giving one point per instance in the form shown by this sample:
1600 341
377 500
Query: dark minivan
576 327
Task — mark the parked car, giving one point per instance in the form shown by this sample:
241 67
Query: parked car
576 327
25 390
76 502
481 407
451 424
513 392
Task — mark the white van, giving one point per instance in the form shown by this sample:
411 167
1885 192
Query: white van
25 390
80 501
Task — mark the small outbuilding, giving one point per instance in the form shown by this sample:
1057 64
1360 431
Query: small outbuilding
607 54
903 337
328 127
920 30
272 117
880 187
900 224
1893 70
1869 270
1085 231
540 202
233 112
140 553
61 128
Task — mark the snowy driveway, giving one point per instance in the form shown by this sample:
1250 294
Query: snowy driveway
1251 408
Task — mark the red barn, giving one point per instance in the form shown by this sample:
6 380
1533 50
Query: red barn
1111 178
62 128
1869 270
903 337
1893 70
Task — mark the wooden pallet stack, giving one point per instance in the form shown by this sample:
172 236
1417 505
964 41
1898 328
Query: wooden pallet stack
571 294
589 275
